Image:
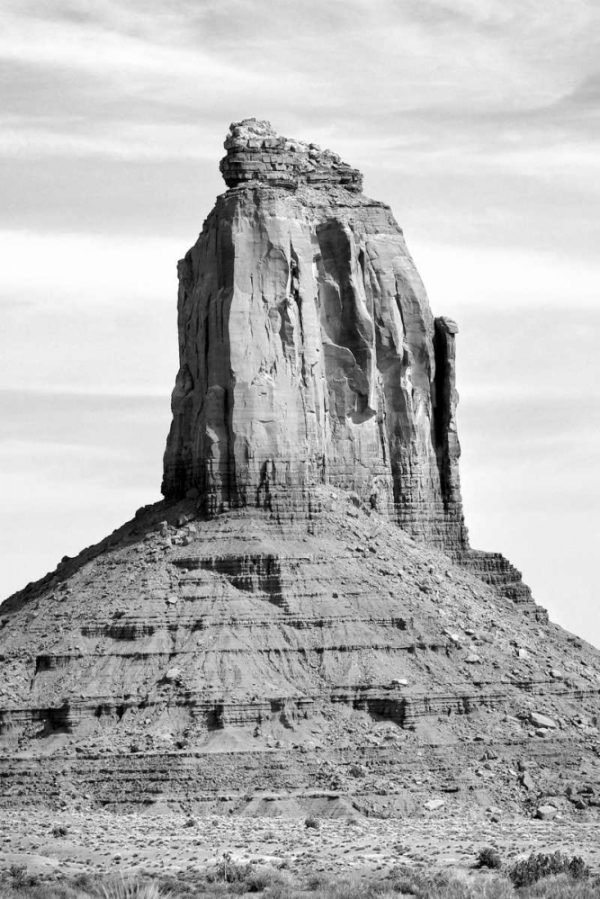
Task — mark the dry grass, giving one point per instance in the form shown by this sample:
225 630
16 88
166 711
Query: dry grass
274 884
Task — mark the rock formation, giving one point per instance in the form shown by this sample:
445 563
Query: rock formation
309 354
301 619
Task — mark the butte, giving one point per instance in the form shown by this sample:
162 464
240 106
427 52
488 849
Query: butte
301 624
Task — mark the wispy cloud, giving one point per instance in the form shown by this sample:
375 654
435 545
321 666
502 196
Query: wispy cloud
194 64
476 119
120 43
118 140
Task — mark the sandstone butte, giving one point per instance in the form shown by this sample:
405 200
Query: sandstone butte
301 624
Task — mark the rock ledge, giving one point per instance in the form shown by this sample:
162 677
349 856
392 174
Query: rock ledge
255 152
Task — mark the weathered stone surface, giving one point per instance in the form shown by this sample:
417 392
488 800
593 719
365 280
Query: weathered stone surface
527 781
268 626
292 653
546 812
539 720
309 354
256 153
433 805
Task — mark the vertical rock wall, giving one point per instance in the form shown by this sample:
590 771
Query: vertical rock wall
308 351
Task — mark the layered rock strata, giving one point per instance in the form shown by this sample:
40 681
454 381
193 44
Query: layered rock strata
255 153
308 351
268 633
210 663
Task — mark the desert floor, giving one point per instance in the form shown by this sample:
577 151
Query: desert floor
91 841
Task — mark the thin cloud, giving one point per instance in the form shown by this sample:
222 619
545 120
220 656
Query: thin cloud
91 47
388 61
117 140
476 119
458 277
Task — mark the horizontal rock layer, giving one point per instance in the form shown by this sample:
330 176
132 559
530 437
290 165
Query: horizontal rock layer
214 648
386 779
269 625
256 153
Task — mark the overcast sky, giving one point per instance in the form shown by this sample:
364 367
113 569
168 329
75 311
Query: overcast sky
477 120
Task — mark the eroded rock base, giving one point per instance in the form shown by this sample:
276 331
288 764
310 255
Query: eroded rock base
242 660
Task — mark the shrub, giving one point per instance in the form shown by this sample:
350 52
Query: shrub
256 881
489 858
59 830
20 878
131 888
311 821
275 881
228 871
411 882
537 866
85 882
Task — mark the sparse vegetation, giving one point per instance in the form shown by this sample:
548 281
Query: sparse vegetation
19 878
489 858
229 879
130 888
228 871
539 866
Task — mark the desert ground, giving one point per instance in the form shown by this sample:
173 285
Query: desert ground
89 841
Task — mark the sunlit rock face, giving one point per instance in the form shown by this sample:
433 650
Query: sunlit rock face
268 627
308 351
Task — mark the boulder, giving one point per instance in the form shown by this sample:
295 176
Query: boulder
173 675
542 721
433 805
527 781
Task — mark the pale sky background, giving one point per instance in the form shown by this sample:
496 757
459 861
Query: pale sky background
477 120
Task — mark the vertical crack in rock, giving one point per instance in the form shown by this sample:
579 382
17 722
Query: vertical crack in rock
190 650
445 435
309 354
308 351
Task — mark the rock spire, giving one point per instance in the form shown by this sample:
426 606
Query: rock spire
308 351
266 639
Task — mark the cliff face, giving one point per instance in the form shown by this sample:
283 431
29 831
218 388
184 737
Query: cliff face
268 627
308 351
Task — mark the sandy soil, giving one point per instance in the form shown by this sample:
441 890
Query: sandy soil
173 844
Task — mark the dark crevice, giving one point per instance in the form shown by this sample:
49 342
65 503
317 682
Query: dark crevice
441 409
